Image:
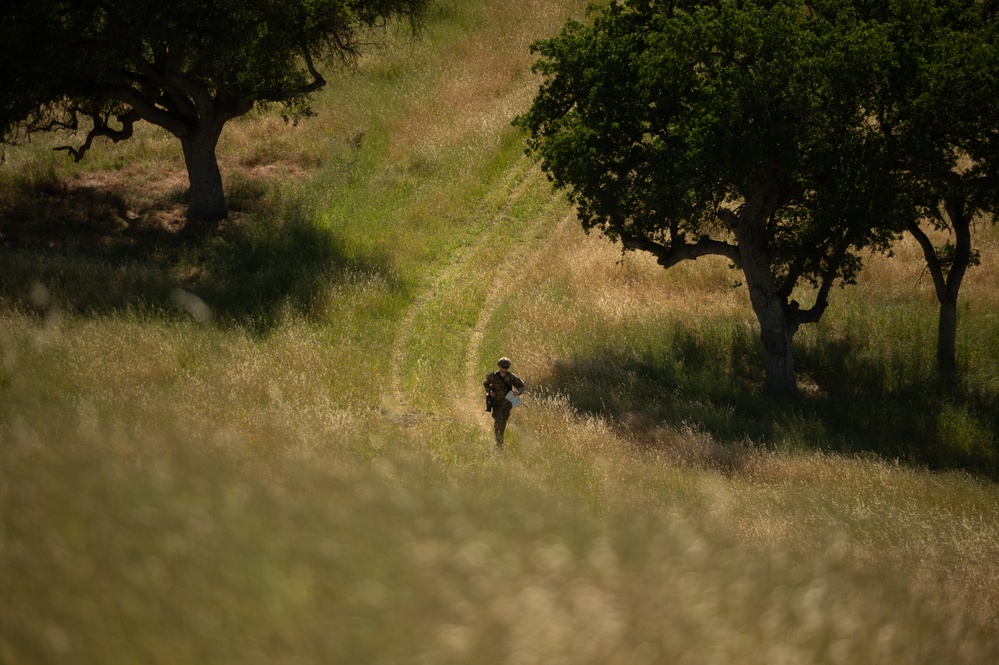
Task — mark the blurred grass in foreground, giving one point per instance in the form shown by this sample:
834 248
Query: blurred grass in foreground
136 547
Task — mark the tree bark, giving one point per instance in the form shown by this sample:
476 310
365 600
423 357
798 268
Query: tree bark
947 282
947 337
776 332
206 198
947 330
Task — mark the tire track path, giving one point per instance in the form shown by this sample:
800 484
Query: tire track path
516 183
472 393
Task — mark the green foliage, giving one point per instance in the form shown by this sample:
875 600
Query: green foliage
738 129
130 52
655 116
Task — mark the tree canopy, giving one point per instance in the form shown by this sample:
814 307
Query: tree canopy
739 129
188 66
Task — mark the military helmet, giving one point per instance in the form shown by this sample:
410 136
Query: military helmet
504 362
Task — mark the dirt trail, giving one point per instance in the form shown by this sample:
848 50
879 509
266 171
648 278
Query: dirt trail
516 182
469 401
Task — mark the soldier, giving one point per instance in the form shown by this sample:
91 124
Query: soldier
497 385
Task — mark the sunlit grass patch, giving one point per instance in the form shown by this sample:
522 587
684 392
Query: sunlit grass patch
131 372
264 138
479 82
941 528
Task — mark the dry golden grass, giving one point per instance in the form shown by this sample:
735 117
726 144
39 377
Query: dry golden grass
904 273
633 285
119 373
266 140
878 516
479 85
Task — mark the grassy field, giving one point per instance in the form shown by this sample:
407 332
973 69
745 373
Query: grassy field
270 446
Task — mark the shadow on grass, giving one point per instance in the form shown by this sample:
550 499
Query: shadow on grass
258 270
84 252
848 405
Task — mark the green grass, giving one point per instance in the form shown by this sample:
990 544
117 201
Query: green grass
270 446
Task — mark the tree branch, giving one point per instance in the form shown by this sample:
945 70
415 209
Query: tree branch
187 96
34 124
669 256
793 312
961 226
797 316
786 287
148 111
727 216
932 260
317 79
101 128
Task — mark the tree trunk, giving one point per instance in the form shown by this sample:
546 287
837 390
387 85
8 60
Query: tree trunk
947 282
776 332
947 337
206 198
960 223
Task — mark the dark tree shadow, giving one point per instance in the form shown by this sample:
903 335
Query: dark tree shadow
903 410
89 251
846 404
256 270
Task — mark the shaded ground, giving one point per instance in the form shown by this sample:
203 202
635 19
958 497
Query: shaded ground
115 241
857 413
100 209
122 207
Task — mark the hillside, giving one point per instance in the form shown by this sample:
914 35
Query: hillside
270 446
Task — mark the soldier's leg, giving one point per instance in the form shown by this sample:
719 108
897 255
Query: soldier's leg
499 424
500 414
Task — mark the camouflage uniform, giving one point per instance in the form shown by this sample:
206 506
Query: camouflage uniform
501 406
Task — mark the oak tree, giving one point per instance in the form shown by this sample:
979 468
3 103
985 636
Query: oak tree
693 128
188 66
939 110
